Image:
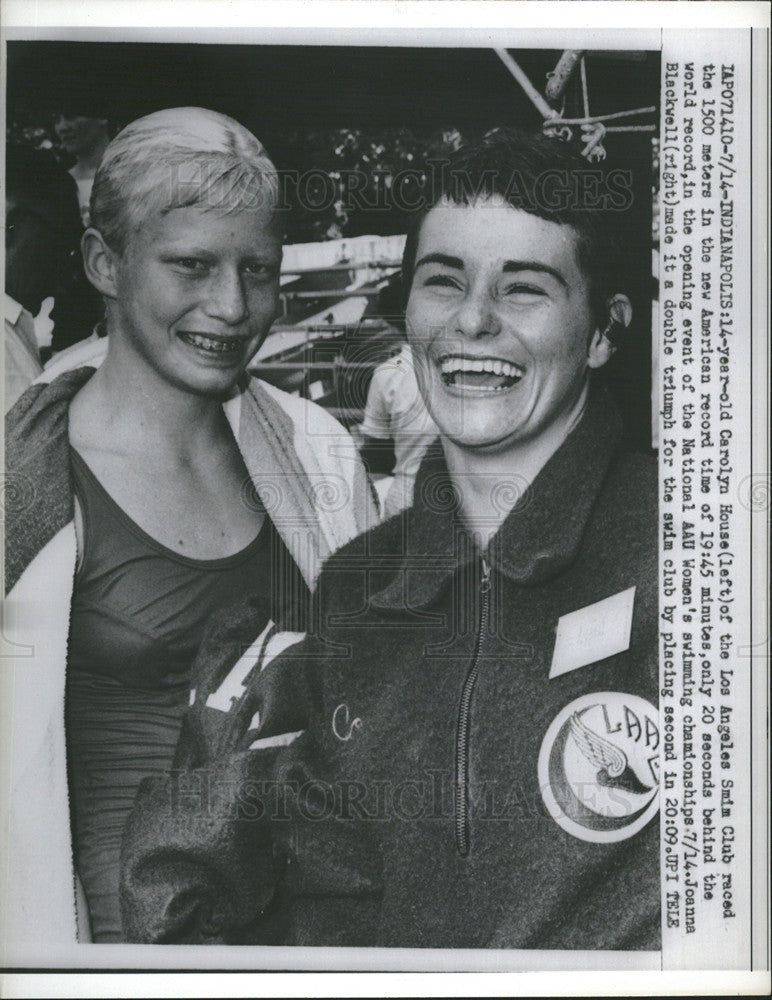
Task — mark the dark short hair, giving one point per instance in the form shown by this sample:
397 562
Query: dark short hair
34 177
544 177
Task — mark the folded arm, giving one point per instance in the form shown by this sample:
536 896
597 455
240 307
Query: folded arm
198 861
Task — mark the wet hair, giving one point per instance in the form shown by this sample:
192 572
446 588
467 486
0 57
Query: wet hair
544 177
34 177
173 159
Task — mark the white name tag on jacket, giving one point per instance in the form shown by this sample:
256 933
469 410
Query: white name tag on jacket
593 633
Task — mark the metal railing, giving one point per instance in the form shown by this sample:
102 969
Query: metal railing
381 269
372 265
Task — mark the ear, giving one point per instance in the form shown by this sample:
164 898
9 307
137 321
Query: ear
99 262
603 342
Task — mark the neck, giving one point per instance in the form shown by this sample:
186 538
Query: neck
151 413
490 484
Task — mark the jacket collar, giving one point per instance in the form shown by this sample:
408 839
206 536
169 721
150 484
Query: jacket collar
38 487
540 536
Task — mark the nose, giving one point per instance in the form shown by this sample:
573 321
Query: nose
226 300
476 316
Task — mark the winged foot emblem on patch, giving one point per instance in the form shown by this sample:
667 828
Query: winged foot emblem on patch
611 762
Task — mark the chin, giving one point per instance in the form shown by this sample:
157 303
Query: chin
488 443
220 388
476 431
469 434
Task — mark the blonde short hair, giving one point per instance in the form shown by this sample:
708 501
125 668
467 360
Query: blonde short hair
175 158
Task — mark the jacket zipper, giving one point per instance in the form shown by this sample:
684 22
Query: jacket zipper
82 919
464 718
76 907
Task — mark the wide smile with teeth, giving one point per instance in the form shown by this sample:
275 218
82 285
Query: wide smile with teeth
212 344
489 374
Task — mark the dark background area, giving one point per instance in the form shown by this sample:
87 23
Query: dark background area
277 89
379 109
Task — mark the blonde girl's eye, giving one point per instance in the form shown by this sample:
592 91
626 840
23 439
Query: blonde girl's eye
260 269
192 265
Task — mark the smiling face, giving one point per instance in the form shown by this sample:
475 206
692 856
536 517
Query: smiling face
500 323
194 293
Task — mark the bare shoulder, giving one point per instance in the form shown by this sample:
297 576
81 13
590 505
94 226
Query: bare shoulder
88 420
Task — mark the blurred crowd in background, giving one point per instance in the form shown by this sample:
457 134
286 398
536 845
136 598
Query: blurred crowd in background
351 176
322 198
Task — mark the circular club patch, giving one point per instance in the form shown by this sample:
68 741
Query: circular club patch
599 766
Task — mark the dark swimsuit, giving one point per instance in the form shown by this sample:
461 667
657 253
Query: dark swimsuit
138 615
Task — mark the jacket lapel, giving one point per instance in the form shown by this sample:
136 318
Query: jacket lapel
540 536
38 484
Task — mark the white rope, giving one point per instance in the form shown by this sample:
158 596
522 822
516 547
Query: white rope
592 132
583 72
608 118
531 92
592 128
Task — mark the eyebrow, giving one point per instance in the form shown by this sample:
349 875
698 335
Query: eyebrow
441 258
509 266
514 266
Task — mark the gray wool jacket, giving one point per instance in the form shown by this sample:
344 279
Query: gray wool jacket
473 750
